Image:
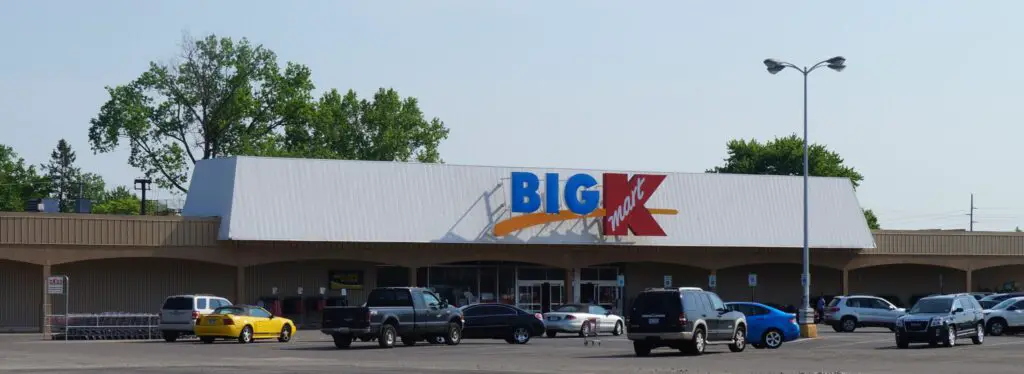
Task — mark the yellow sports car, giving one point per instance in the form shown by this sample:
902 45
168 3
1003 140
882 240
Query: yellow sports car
245 323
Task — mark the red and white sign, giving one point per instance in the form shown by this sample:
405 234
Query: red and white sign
55 285
624 200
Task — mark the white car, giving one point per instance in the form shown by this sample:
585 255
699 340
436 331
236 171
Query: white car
1005 317
847 313
568 318
179 313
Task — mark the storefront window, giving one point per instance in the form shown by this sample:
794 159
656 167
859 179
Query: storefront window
457 284
507 284
489 284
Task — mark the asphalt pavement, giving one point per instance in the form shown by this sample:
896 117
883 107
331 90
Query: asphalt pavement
863 351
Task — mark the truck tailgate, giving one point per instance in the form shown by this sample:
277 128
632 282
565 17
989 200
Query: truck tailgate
353 317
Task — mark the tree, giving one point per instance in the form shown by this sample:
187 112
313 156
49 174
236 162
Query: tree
784 156
93 186
65 176
18 182
231 98
120 200
386 128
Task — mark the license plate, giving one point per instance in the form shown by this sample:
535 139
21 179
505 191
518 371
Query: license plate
653 321
211 321
552 318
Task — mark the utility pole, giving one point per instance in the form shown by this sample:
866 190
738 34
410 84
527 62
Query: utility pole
972 213
142 184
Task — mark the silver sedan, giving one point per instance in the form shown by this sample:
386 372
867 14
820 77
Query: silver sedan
568 318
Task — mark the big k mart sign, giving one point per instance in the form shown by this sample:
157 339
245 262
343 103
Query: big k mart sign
622 209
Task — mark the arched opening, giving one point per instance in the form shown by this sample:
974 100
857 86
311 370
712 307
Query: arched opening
530 286
904 284
21 287
1003 278
138 285
777 284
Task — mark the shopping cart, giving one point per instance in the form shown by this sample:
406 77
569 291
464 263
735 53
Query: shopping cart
589 330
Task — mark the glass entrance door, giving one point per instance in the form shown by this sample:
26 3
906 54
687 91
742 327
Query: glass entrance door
603 293
533 297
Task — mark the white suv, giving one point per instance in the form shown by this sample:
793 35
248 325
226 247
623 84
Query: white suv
847 313
179 314
1007 316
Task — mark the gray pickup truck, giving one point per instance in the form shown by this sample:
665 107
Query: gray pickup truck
409 313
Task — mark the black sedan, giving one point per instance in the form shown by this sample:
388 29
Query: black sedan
500 321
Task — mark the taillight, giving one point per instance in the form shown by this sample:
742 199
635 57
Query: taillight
833 309
682 319
228 321
539 316
195 314
792 320
368 314
570 317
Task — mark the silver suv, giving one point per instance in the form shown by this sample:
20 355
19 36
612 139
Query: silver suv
847 313
179 314
685 318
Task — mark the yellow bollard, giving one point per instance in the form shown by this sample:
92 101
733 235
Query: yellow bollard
808 331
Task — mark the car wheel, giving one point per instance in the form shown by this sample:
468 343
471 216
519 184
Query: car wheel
207 339
286 334
979 335
454 335
245 337
996 327
618 329
902 343
408 341
170 336
848 324
387 336
520 335
641 349
552 334
699 341
772 339
342 341
950 339
739 340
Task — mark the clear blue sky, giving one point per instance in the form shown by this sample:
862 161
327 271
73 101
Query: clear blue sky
929 109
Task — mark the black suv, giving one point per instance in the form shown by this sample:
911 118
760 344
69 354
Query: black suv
687 319
941 319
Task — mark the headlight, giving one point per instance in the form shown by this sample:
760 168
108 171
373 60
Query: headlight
937 321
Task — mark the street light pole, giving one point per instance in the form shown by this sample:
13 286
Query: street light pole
806 316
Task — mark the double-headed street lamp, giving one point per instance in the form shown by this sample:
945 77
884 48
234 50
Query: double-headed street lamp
774 66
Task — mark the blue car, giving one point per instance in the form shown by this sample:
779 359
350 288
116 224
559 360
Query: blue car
767 327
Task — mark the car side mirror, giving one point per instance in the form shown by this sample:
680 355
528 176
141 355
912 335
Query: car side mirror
606 314
722 310
958 310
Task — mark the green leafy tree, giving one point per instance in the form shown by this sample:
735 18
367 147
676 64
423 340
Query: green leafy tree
784 156
385 128
93 186
223 98
64 174
121 200
19 182
228 98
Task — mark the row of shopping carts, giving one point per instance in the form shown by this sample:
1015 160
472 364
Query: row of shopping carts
105 326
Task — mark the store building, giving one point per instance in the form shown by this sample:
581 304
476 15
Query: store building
302 230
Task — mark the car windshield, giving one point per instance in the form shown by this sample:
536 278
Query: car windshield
572 308
229 310
942 305
1006 303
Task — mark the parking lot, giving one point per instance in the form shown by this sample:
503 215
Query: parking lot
864 351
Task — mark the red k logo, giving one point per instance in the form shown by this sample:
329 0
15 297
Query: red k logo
624 200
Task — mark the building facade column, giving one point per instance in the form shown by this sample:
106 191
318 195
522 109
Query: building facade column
713 274
240 285
412 277
571 292
846 281
970 283
45 326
